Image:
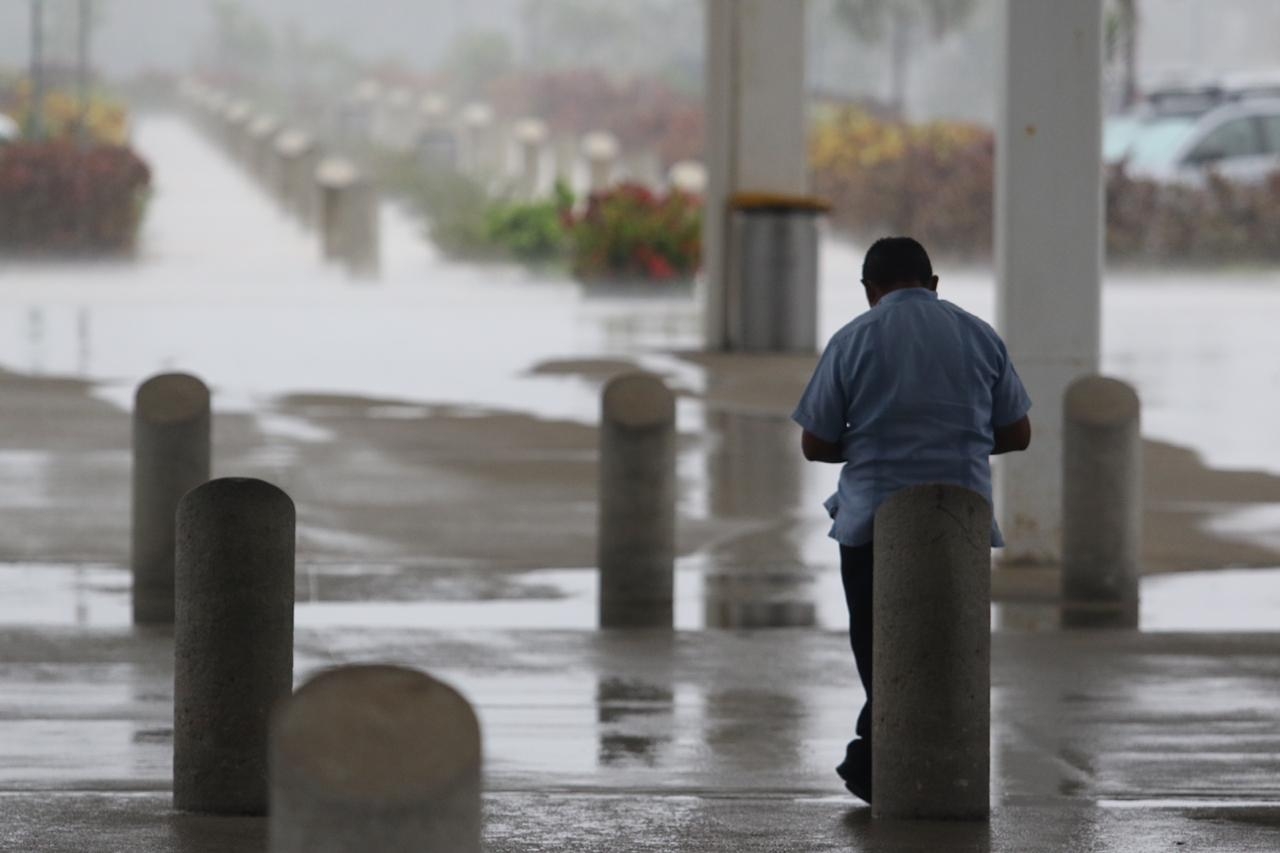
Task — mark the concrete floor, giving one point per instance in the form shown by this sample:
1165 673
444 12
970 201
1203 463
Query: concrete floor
698 741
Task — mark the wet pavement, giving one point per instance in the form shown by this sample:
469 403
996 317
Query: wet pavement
437 432
697 741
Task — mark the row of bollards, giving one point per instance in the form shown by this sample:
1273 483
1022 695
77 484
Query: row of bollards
389 755
328 194
471 138
361 757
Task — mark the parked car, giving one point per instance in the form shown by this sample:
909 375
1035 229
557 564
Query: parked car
1238 139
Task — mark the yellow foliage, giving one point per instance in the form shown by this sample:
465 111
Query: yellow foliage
107 121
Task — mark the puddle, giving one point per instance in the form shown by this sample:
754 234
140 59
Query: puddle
97 596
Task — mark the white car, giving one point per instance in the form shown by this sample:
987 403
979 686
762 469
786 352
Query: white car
1239 140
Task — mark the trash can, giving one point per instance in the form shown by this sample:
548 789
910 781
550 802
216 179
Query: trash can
773 274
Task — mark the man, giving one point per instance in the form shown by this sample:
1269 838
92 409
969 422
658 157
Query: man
914 391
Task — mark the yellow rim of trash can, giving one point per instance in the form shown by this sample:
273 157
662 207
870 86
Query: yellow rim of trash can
778 202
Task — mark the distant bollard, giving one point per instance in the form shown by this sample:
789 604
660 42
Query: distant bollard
601 151
688 176
348 217
478 149
931 650
233 642
170 458
297 157
1101 504
238 115
531 138
262 141
375 758
636 541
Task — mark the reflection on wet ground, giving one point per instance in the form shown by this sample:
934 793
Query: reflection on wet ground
700 741
343 597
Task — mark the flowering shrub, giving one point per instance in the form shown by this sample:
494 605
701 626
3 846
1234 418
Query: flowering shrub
630 232
1219 222
57 197
642 113
936 182
933 181
107 121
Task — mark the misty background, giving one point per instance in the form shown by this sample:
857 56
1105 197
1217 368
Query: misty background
949 75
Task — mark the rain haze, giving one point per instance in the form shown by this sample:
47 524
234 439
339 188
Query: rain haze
466 425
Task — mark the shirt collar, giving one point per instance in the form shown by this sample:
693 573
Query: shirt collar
907 293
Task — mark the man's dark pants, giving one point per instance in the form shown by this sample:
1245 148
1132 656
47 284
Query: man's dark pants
855 571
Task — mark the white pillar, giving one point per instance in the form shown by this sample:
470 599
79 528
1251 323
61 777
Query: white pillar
1049 218
756 133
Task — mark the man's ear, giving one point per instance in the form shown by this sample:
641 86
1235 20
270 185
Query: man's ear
933 284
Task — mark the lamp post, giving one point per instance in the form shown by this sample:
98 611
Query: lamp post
35 121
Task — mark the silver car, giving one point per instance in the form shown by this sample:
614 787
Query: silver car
1239 140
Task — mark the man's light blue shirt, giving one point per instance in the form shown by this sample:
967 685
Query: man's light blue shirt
912 392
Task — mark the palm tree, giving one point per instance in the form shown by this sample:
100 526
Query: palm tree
1122 47
871 21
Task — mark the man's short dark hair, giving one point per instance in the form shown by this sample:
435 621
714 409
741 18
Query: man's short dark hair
896 260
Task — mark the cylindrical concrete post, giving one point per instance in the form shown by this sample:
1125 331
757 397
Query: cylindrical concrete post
298 156
478 149
636 541
349 216
688 176
375 758
931 653
239 115
262 140
601 150
233 642
531 138
170 458
1101 504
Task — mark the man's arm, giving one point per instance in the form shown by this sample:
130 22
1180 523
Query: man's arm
817 450
1014 437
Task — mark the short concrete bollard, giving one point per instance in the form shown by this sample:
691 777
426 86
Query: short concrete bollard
531 138
636 542
931 673
170 458
262 140
233 642
478 150
688 176
601 150
1101 504
297 158
348 216
378 758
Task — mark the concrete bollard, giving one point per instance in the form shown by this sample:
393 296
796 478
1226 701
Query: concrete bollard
297 157
478 149
601 151
238 116
262 140
931 652
1101 504
170 458
688 176
348 217
233 642
531 138
636 541
375 758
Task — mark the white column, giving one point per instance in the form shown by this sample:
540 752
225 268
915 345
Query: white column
1049 214
756 133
